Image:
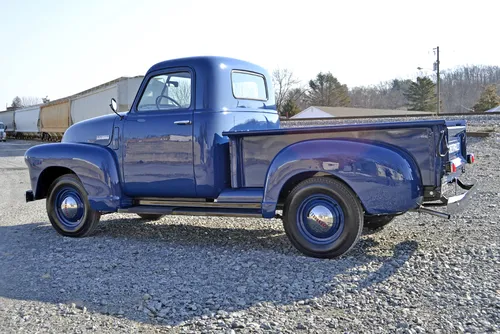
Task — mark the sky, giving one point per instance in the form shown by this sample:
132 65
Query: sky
59 48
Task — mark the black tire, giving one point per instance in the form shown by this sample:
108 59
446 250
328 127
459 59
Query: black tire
377 222
149 216
65 191
312 196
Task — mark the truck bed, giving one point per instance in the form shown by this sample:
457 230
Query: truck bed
251 152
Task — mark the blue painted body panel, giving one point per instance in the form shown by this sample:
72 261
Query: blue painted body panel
386 180
158 163
97 130
95 166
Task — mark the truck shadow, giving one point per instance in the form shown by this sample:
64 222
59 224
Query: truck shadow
175 273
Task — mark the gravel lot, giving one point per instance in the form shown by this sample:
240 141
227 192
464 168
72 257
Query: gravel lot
420 274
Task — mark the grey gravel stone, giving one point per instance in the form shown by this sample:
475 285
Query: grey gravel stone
419 274
265 325
301 326
238 324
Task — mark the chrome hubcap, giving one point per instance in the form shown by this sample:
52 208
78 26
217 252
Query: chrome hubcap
69 207
320 219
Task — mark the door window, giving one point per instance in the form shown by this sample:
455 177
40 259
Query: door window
170 91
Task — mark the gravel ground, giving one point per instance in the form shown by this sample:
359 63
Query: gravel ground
420 274
482 121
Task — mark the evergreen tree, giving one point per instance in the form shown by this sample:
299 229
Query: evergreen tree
299 97
17 102
421 95
290 108
327 91
488 99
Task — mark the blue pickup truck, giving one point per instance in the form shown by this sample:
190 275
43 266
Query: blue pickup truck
203 138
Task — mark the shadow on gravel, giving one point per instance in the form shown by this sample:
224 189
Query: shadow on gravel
174 273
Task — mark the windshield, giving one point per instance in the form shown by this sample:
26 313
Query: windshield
2 126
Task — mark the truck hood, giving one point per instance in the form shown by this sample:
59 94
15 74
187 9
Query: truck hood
97 130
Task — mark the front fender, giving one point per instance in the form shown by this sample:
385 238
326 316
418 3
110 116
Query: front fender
95 166
386 179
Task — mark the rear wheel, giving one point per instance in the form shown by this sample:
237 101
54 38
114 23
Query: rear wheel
323 217
68 208
149 216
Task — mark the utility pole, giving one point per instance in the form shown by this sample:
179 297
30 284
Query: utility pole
438 81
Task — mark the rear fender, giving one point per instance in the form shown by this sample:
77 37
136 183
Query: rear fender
95 166
385 178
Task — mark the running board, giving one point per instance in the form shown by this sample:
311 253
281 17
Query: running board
192 211
196 204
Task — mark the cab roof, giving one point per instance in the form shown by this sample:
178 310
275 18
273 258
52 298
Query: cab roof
208 61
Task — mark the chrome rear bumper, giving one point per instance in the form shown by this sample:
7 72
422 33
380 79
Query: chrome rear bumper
457 203
454 204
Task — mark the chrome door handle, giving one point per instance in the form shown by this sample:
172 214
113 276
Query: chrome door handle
184 122
141 120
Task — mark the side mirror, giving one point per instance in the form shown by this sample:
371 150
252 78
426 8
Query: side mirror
113 105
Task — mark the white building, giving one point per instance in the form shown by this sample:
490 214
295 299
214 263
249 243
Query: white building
327 112
496 109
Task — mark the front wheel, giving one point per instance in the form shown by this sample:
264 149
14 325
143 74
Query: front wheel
68 208
323 217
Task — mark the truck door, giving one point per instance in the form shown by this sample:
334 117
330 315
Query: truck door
157 144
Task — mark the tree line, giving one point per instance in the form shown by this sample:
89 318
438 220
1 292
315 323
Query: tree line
27 101
463 89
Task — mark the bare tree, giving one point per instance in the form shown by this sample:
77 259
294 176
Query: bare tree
283 81
28 101
385 95
182 93
461 88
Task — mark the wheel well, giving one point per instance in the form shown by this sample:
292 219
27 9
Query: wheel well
46 178
296 179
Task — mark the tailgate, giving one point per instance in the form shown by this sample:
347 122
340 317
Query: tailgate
455 148
453 151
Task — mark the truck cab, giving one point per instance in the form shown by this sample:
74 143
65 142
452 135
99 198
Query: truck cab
170 143
203 137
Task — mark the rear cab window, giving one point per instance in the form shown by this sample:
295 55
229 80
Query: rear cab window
249 85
